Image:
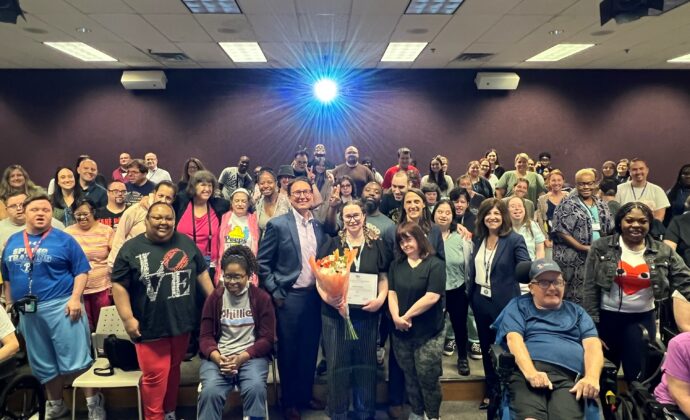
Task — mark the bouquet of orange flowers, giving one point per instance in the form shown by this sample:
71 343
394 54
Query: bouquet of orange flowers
333 278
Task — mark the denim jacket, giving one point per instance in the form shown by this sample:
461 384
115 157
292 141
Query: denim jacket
667 271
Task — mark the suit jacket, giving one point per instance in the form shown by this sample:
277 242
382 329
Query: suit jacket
511 250
280 255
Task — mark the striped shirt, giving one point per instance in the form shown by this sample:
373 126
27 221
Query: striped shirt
95 243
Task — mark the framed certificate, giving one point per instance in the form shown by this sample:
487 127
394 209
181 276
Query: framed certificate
363 288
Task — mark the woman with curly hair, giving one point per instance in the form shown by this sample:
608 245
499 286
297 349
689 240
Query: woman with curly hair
236 341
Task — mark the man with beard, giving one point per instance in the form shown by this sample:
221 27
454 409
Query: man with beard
639 189
299 164
359 173
391 203
234 177
320 152
111 213
371 196
155 278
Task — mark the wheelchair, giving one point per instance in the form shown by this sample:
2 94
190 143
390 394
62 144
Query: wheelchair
640 395
504 365
21 394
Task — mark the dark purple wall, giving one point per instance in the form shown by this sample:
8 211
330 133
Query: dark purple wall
47 118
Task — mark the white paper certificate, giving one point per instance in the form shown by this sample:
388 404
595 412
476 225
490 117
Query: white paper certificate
363 288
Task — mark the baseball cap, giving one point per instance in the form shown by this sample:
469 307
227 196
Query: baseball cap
541 266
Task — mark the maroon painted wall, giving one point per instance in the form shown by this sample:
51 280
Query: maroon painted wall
47 118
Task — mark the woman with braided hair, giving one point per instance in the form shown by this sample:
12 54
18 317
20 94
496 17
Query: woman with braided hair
236 341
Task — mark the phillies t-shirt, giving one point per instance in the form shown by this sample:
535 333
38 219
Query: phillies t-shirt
237 324
631 290
58 259
108 218
162 283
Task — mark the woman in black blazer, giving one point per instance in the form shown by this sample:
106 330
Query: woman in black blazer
492 282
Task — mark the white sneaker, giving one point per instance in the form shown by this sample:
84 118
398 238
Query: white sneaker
97 409
56 409
170 416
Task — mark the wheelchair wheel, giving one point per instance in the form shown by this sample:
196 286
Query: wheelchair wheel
22 398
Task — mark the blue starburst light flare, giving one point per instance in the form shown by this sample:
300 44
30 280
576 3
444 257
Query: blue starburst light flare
325 90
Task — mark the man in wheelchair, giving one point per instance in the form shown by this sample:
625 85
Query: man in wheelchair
556 349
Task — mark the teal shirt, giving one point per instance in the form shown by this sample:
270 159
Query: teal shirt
455 261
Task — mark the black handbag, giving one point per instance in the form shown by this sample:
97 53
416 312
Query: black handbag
121 354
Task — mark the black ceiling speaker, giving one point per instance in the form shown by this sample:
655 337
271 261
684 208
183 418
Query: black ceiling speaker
10 11
624 11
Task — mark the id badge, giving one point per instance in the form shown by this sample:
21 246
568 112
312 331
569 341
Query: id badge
485 291
30 304
596 226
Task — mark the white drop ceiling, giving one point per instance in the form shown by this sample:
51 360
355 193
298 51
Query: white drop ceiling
351 32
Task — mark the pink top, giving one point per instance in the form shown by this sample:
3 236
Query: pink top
201 238
676 364
95 243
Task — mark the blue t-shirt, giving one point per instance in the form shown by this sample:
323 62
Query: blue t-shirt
58 260
552 336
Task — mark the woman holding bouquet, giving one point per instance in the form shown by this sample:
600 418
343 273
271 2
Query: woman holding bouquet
352 363
417 283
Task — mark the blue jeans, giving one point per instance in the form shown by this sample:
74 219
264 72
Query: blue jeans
215 388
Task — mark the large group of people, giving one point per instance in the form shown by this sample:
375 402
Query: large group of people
224 266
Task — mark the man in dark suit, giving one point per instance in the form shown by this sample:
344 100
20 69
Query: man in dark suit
284 271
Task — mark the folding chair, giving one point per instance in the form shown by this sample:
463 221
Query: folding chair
109 322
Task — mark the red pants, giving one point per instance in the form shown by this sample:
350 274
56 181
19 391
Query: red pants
160 364
93 302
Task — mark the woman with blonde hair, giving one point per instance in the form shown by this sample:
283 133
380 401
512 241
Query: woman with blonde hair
506 183
15 179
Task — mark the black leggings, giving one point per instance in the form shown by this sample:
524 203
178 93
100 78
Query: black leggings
456 305
621 333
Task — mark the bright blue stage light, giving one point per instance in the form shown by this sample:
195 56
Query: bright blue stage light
325 90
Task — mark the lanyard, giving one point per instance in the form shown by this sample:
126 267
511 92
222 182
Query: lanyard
210 233
632 189
358 259
31 253
487 262
589 210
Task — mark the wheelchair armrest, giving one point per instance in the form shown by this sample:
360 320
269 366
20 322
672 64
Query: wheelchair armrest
645 400
503 361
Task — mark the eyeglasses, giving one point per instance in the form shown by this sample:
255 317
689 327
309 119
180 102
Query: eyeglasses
350 217
15 206
545 284
586 184
233 278
118 192
82 215
305 193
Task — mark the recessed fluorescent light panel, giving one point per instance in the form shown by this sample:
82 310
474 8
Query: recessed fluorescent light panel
80 50
244 52
682 59
213 6
433 7
403 51
560 51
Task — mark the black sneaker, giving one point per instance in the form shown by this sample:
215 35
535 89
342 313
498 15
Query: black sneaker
449 347
475 351
463 367
321 368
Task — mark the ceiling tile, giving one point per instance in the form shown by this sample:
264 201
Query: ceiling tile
370 28
486 7
419 28
275 28
101 6
68 24
179 28
323 28
336 7
45 6
227 28
379 7
541 7
207 52
511 29
269 7
158 6
134 29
